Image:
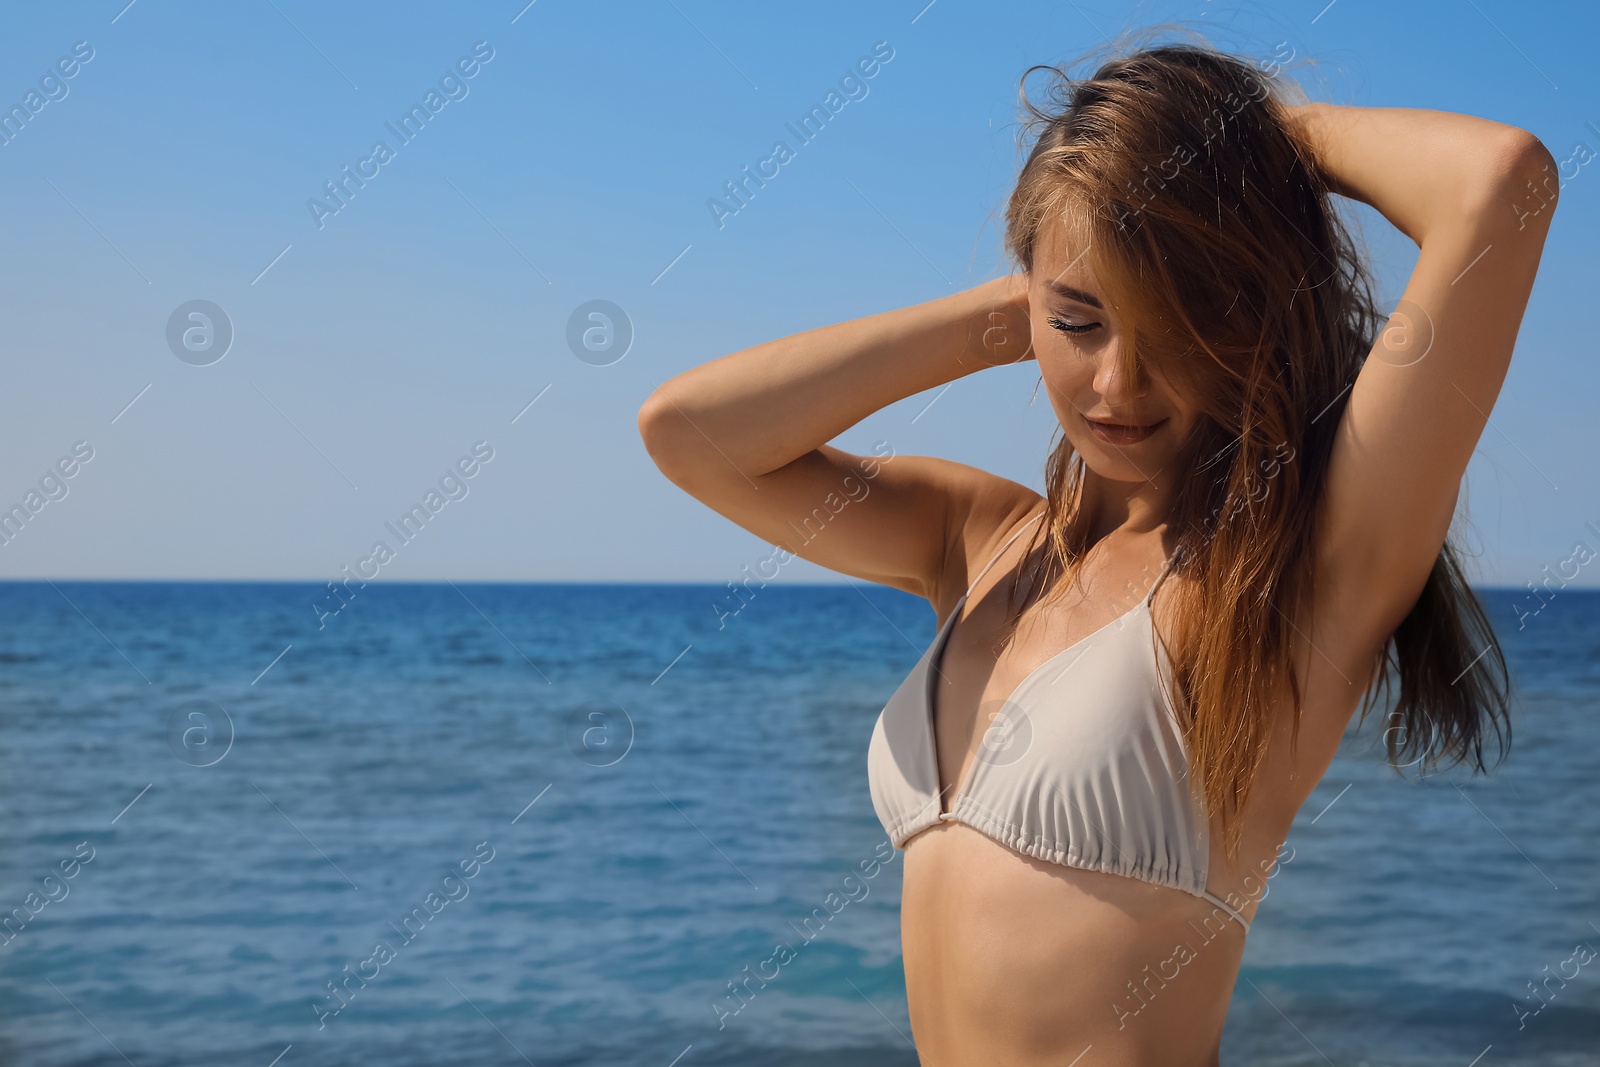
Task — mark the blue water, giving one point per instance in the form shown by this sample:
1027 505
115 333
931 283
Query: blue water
696 792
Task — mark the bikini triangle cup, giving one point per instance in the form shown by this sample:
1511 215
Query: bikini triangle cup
1095 779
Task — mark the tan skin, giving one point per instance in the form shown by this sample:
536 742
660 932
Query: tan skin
1011 960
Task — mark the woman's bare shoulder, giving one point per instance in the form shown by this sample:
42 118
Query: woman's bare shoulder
981 523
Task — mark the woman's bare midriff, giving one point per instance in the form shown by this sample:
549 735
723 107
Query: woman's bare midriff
1011 960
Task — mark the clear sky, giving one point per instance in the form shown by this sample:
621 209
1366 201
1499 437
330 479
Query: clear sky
378 338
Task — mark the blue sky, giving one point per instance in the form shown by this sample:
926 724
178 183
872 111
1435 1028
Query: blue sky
374 346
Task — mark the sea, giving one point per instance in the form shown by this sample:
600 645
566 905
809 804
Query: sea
436 824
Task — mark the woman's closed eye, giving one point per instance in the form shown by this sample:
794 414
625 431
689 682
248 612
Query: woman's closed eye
1071 327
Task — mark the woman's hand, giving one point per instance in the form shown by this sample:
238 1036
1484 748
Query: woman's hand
1001 331
1419 168
747 435
1458 186
763 407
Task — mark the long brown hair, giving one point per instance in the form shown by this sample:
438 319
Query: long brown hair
1211 231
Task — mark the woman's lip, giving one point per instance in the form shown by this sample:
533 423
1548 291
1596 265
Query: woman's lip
1123 433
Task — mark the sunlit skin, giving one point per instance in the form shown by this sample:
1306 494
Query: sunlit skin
1016 962
1081 347
1057 957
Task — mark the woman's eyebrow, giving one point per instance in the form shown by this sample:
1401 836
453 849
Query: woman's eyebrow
1077 294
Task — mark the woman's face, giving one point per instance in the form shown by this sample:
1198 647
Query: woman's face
1126 422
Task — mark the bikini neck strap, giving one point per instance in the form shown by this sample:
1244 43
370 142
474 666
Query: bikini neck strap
996 557
1166 569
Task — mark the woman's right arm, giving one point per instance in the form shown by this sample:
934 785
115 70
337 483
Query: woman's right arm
747 436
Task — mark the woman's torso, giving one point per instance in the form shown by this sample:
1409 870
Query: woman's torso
1016 959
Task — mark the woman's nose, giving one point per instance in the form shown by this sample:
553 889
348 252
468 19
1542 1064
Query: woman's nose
1119 378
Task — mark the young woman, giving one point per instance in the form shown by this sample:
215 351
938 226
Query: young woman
1141 676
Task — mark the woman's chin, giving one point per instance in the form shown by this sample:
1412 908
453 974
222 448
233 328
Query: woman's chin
1120 463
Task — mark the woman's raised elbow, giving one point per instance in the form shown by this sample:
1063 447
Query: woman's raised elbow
659 423
674 432
1523 180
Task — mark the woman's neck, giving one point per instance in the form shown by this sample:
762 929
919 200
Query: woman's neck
1125 507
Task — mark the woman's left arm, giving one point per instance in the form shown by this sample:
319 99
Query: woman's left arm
1476 196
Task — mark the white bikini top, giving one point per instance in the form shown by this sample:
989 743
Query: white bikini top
1091 769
